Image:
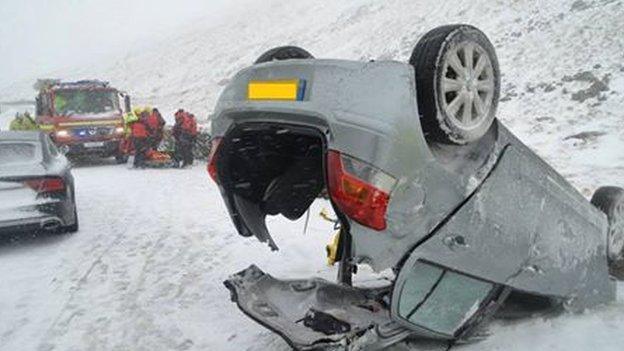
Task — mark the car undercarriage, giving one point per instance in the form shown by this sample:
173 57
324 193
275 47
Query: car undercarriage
473 224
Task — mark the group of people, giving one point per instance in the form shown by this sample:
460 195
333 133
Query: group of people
23 121
146 128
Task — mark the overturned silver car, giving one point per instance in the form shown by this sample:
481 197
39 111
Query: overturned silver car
425 181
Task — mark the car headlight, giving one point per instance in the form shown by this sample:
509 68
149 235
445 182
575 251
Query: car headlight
61 133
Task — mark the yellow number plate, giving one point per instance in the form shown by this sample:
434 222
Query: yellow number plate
287 90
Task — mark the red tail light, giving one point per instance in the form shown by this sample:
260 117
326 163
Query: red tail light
46 185
212 159
361 191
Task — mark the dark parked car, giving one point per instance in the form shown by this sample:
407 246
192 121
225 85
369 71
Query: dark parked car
36 185
425 181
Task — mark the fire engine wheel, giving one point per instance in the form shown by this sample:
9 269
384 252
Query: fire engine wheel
610 200
121 159
284 53
457 83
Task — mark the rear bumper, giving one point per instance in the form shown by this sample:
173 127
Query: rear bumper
31 225
316 314
48 217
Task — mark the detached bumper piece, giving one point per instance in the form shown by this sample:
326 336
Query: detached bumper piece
316 314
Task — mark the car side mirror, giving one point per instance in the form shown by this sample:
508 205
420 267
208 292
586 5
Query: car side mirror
38 109
127 104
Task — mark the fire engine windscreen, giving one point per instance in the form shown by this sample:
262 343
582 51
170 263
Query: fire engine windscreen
85 102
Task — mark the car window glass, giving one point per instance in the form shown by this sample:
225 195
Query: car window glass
421 280
13 153
439 300
72 102
453 301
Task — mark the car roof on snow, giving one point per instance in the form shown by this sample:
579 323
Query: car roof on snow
20 136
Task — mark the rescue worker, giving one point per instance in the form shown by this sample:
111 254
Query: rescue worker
191 128
125 145
140 139
183 139
60 103
155 125
23 122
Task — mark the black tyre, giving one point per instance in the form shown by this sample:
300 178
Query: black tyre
74 227
284 53
610 200
121 159
457 83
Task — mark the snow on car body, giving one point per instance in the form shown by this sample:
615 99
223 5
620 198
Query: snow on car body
36 185
464 224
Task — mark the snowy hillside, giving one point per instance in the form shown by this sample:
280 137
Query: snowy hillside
145 271
562 64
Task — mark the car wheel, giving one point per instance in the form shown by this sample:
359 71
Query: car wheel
121 159
610 200
457 83
284 53
74 227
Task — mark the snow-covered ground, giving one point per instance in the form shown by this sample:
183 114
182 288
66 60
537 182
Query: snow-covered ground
145 272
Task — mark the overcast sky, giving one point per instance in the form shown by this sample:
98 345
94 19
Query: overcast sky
40 36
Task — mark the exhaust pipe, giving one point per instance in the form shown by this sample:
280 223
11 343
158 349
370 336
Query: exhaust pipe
51 225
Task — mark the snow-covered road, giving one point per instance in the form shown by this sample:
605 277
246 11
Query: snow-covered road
145 272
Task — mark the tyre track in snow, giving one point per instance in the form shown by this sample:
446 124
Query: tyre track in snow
73 260
127 249
92 198
117 251
157 268
67 307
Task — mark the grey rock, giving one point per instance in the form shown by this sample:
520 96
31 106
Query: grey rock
586 136
579 5
545 119
593 91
